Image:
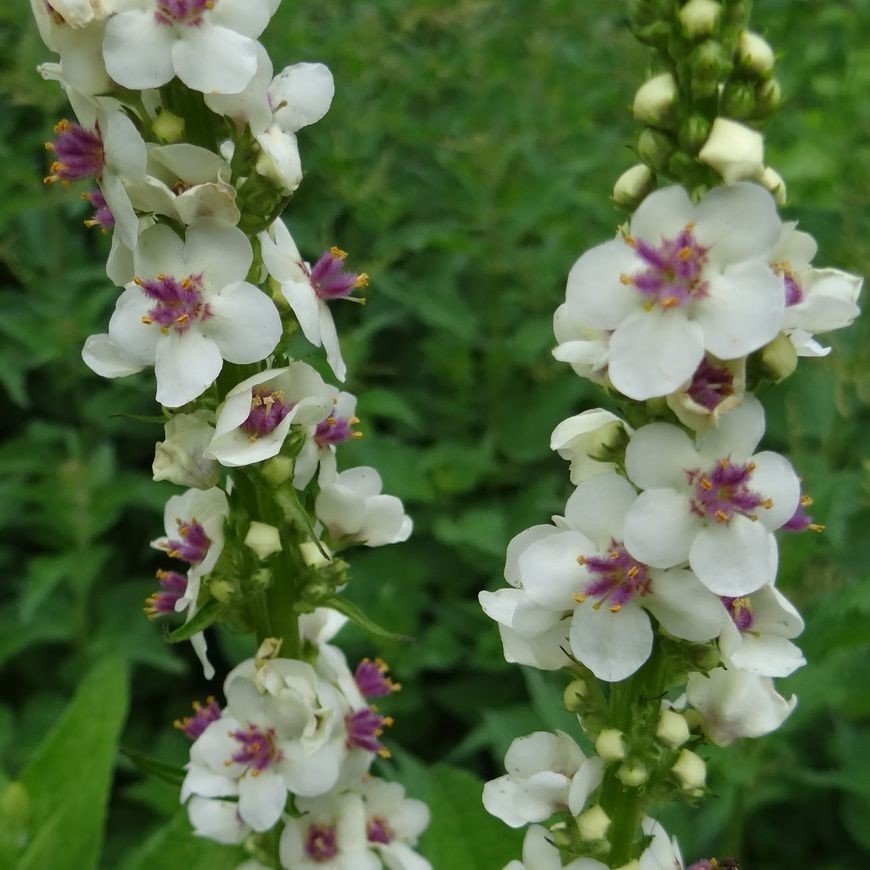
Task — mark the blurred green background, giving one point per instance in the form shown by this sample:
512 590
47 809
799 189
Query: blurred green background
466 162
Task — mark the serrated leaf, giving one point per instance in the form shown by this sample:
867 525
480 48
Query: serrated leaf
207 615
355 615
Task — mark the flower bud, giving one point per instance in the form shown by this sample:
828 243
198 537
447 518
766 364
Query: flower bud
739 100
709 64
168 127
769 96
278 470
633 185
610 745
269 649
312 555
593 824
755 54
694 132
633 774
775 183
263 539
180 458
574 695
673 730
691 771
655 148
734 150
654 100
221 590
779 358
700 18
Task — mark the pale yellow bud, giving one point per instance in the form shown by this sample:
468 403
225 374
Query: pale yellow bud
168 127
312 555
263 539
691 771
700 17
610 745
655 99
734 150
593 824
779 358
775 183
269 649
633 185
755 53
673 730
574 694
278 470
633 774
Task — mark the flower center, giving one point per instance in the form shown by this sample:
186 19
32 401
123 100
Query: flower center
619 577
192 543
268 409
364 727
330 280
711 385
321 843
173 586
336 430
378 831
258 750
372 680
674 270
203 716
78 153
189 12
724 492
794 293
179 303
740 611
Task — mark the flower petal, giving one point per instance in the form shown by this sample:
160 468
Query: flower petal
222 253
598 507
261 799
214 59
595 288
660 528
185 365
612 645
138 50
732 559
550 572
658 455
245 323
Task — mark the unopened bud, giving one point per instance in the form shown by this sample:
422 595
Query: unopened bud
314 556
574 694
655 148
754 53
632 774
769 96
560 835
779 358
593 824
268 650
673 730
633 185
694 132
263 539
774 182
709 63
221 590
654 100
168 127
700 18
739 100
610 745
278 470
691 771
734 150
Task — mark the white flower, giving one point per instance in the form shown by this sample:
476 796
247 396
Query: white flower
189 308
180 458
585 564
583 438
320 446
540 854
308 290
711 502
817 300
683 280
546 773
734 150
716 387
217 820
209 44
756 637
663 853
734 703
394 823
257 414
353 508
585 349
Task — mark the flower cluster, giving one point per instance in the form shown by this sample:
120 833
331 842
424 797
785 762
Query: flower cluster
655 589
188 141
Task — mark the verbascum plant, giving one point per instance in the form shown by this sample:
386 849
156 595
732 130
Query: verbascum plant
189 141
654 593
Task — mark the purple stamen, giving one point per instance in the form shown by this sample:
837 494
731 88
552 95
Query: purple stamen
79 153
724 492
618 578
372 680
740 611
674 273
189 12
103 217
203 716
268 409
801 520
174 586
711 385
335 431
364 727
378 831
192 545
258 750
329 278
179 303
321 843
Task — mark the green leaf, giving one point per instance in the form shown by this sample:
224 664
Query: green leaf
208 614
167 772
70 775
355 615
462 834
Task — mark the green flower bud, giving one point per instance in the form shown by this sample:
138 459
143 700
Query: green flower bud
694 132
168 127
680 166
709 64
700 18
655 34
278 470
769 96
739 100
633 185
655 99
655 148
779 358
755 54
574 695
221 590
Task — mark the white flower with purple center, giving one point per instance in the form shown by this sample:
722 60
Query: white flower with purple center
817 300
757 636
354 510
309 290
188 309
209 44
540 853
684 279
320 446
203 716
716 387
255 419
583 565
712 502
394 824
546 773
733 703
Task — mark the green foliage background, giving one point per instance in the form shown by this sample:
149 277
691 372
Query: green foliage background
466 162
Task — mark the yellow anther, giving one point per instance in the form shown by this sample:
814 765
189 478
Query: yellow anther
337 252
615 608
630 240
581 560
354 421
357 435
147 320
62 126
182 318
362 280
384 752
816 527
626 279
767 503
721 516
705 484
139 282
670 302
579 597
633 572
388 721
806 500
684 254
